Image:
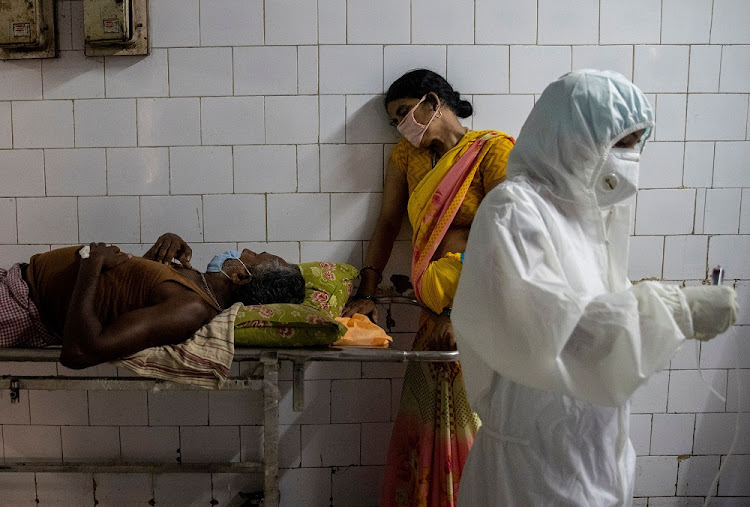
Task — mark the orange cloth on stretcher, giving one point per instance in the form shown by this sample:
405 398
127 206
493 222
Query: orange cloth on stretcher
361 332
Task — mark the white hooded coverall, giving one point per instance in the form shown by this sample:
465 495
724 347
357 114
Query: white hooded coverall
553 339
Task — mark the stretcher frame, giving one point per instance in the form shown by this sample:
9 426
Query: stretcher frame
262 373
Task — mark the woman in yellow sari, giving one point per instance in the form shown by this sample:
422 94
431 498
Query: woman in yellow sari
439 173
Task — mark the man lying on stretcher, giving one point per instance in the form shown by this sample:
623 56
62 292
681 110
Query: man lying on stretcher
109 304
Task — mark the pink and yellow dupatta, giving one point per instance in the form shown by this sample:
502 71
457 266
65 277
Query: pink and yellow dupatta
435 201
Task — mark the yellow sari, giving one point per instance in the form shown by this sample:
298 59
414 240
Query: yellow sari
435 426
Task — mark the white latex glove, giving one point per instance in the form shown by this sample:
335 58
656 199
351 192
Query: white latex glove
714 308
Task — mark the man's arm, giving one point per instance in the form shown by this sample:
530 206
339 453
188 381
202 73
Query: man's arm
177 315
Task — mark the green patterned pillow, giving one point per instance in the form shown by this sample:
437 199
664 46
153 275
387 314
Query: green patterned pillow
328 285
285 325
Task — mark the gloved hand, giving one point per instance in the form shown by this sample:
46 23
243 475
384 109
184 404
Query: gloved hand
714 309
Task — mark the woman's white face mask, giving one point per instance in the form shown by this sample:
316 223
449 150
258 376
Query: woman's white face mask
618 178
411 129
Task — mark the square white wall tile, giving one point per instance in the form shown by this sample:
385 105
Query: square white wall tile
118 408
667 211
349 252
685 257
506 113
268 70
20 79
73 76
292 120
291 22
699 165
47 220
298 217
32 443
670 117
351 168
730 251
330 445
700 207
672 434
581 25
532 68
332 118
204 252
640 433
730 169
90 443
147 443
310 485
745 212
76 25
169 122
715 117
490 62
23 172
109 219
102 123
714 433
688 393
231 22
235 408
43 124
260 169
661 165
182 489
6 126
398 60
137 76
210 443
735 481
352 484
735 63
232 120
505 22
686 22
200 71
661 68
308 168
428 15
58 407
730 21
201 170
181 214
651 396
645 257
655 476
365 206
76 172
705 62
696 474
20 253
351 69
332 21
617 58
743 298
123 489
8 232
367 120
360 400
138 171
722 214
619 25
174 23
177 408
234 217
64 26
744 397
384 22
64 488
307 69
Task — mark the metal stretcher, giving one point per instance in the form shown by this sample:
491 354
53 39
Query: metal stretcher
261 373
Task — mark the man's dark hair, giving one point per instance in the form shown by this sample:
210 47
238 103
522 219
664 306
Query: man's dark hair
415 84
272 283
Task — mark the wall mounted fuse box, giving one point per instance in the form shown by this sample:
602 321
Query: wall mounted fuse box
27 29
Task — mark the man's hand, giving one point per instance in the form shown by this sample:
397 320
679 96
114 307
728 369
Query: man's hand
170 246
364 306
109 256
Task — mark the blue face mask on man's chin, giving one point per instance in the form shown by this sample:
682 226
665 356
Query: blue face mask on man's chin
216 264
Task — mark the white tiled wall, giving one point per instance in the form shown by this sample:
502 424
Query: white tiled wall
260 124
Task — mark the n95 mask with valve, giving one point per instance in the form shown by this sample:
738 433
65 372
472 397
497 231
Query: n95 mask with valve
618 178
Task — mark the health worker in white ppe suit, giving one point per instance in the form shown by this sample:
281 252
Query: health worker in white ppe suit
552 337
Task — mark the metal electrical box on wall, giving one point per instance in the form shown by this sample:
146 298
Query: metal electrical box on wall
115 27
27 29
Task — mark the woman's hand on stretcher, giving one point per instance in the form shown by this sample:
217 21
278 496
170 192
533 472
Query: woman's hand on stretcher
363 306
170 246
